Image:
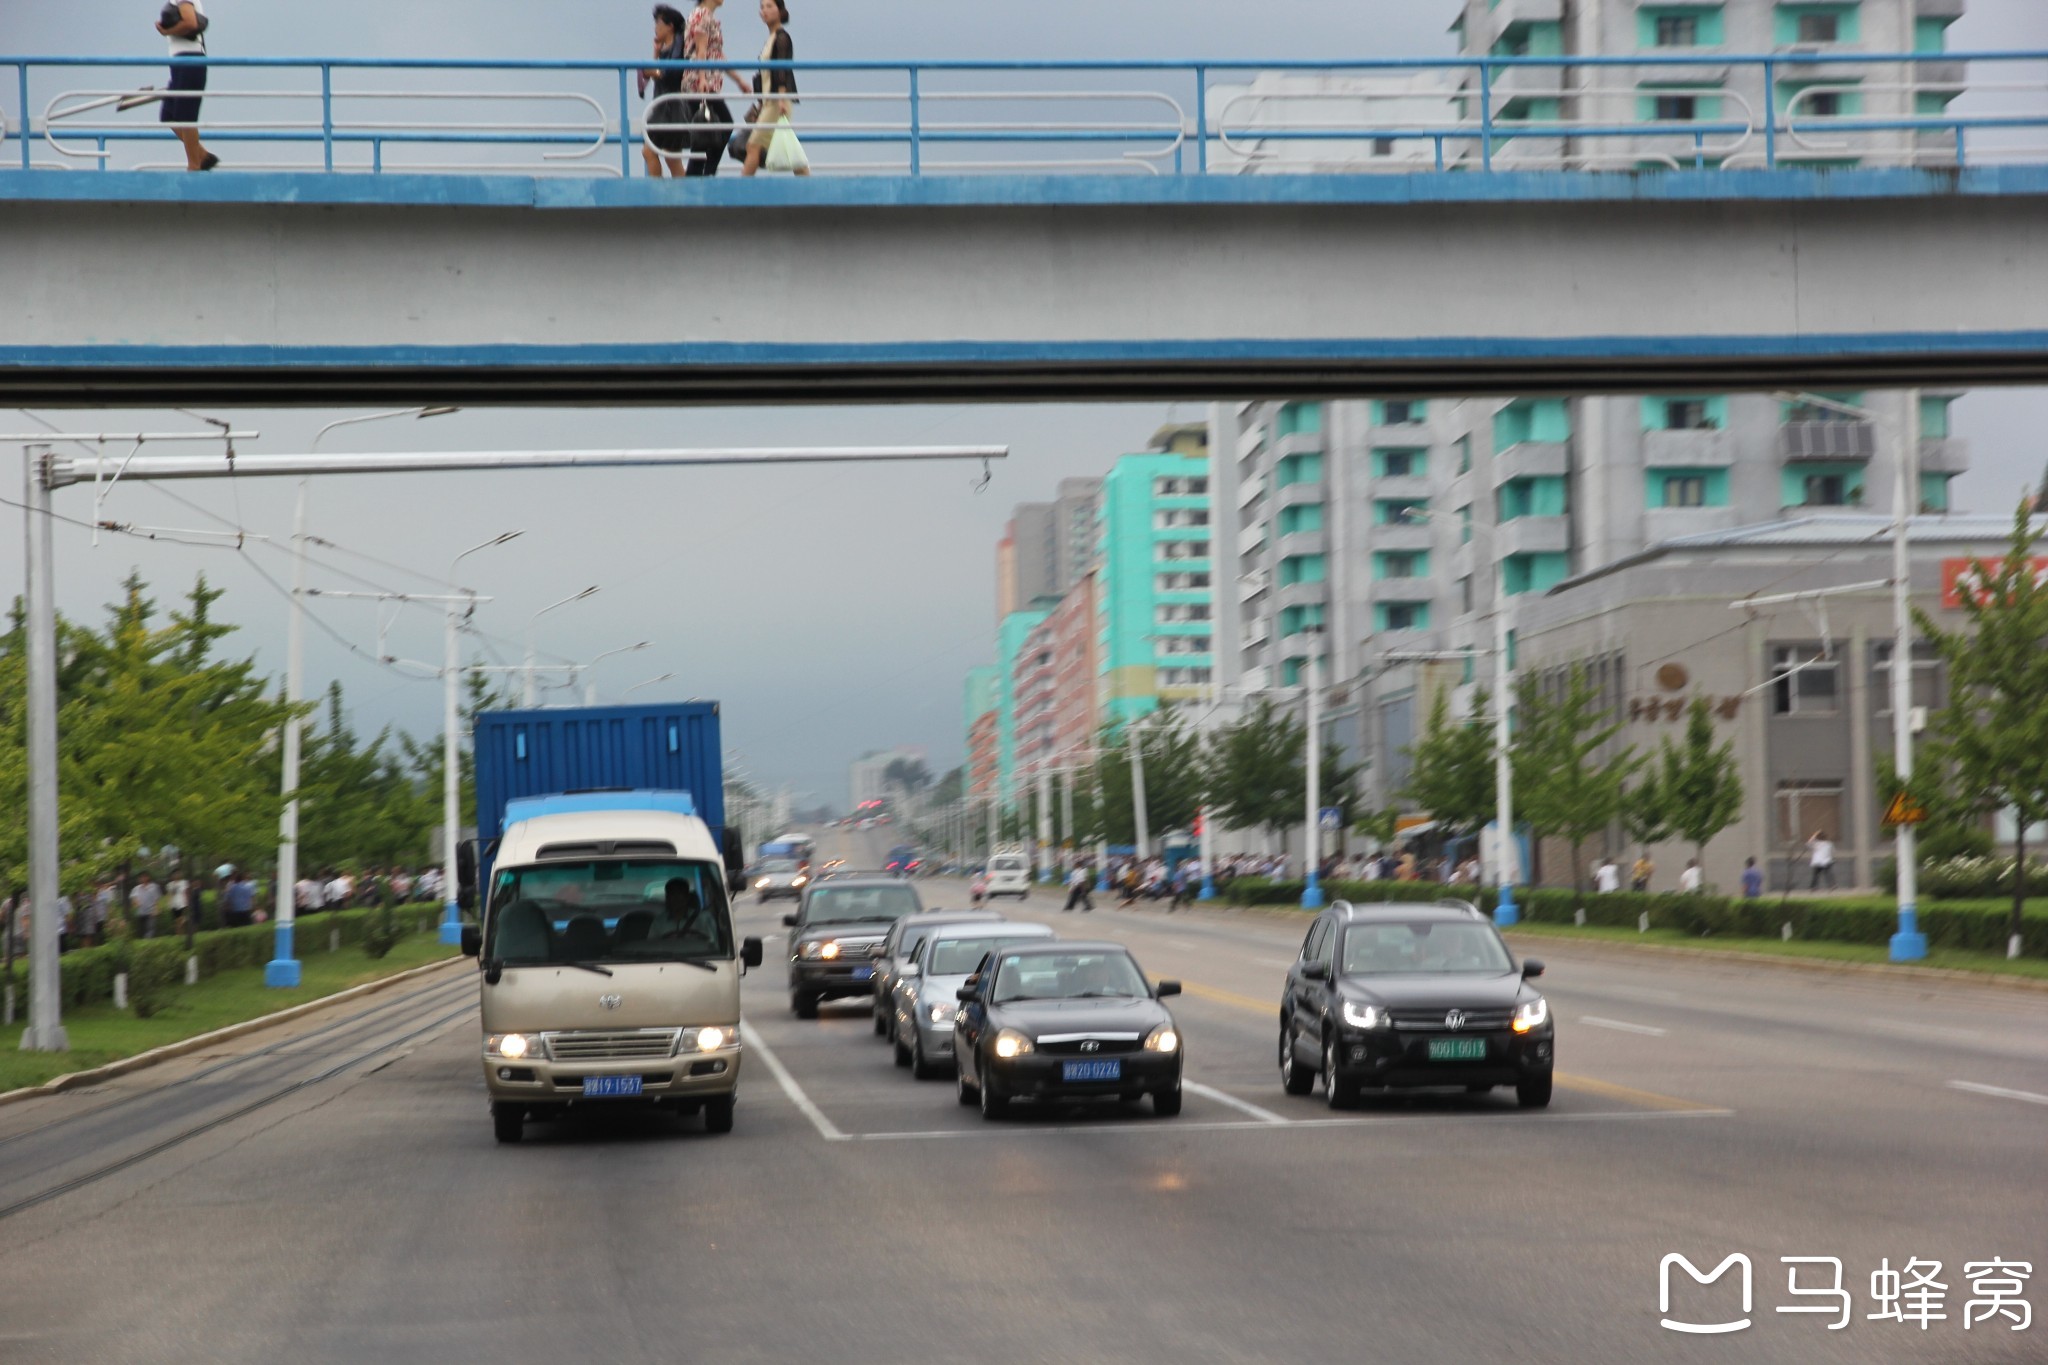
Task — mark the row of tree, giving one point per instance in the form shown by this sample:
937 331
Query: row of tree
168 742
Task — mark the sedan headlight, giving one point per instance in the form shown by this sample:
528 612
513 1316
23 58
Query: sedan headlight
1162 1039
942 1011
800 881
708 1039
761 884
515 1047
1532 1015
1365 1016
1010 1043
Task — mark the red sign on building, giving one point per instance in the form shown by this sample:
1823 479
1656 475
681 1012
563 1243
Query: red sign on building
1959 576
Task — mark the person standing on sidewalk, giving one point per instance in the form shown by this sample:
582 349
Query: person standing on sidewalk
1752 880
1820 854
1644 869
145 898
1080 888
184 24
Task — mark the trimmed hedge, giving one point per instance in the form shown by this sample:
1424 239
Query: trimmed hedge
1969 925
156 966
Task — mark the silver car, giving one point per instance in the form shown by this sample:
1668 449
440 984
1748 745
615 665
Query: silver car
899 950
781 877
927 990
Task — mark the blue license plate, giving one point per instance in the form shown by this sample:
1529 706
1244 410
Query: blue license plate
1112 1070
863 973
610 1087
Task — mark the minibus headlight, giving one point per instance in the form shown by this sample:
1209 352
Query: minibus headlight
708 1039
515 1046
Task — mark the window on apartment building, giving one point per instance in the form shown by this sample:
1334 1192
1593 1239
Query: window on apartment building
1806 806
1823 104
1926 676
1400 464
1465 524
1402 512
1406 615
1677 108
1198 487
1465 594
1398 412
1686 414
1383 146
1678 30
1401 564
1822 27
1827 490
1464 454
1685 490
1804 681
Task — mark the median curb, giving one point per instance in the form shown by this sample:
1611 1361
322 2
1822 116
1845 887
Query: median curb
71 1080
1885 970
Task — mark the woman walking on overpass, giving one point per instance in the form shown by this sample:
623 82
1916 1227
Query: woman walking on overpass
776 90
184 24
705 39
668 132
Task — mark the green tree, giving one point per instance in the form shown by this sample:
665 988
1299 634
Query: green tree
1175 776
1993 734
1954 828
1255 770
1452 774
360 804
1563 786
1645 814
1700 783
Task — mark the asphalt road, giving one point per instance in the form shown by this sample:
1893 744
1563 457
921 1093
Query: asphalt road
333 1194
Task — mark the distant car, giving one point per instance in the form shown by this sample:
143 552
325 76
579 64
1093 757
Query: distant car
927 993
904 860
1052 1022
899 949
839 929
1009 874
1396 996
783 877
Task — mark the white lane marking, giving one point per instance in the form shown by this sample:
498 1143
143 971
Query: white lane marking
1622 1026
1179 944
1998 1092
826 1128
1170 1127
1210 1092
1274 961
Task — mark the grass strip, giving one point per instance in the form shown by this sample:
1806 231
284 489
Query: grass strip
1948 959
101 1034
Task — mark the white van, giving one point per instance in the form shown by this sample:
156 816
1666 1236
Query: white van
1009 874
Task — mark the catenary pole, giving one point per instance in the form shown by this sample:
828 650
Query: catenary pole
282 971
45 1031
1311 839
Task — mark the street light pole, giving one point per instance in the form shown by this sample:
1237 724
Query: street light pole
1505 911
282 971
451 751
1312 888
1138 821
45 1031
528 696
1908 944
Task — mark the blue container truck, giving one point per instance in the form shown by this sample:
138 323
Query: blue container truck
551 751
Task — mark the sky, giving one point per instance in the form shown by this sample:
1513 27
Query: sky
832 610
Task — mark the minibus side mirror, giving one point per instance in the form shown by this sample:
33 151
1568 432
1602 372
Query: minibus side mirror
789 921
750 952
472 940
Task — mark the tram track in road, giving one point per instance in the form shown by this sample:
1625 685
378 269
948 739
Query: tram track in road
267 1095
395 1005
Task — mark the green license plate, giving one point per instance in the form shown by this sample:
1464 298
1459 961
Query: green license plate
1457 1049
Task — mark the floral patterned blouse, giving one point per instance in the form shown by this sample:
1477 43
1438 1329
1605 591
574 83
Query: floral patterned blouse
703 28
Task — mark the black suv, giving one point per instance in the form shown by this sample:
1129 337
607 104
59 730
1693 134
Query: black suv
837 934
1399 996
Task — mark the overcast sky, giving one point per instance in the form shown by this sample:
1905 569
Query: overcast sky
832 610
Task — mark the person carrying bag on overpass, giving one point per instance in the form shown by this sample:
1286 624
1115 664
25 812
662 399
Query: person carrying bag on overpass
771 138
710 115
184 23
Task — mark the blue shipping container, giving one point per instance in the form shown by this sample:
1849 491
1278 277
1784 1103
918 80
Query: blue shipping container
673 747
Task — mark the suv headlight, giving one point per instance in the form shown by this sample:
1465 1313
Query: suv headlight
941 1011
1365 1016
760 883
708 1039
1010 1043
1532 1015
516 1047
1162 1039
817 948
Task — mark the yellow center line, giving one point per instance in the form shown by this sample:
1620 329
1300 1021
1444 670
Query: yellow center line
1648 1099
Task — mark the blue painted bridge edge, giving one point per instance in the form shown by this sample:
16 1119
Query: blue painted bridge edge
1785 184
913 355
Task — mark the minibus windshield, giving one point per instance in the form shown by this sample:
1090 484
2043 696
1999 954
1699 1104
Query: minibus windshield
608 910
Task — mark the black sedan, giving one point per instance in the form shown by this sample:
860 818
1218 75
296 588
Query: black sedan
1053 1022
1409 996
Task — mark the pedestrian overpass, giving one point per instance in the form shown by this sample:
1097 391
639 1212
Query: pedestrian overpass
1028 231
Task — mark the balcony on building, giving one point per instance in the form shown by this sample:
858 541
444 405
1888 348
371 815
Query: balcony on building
1303 543
1298 443
1532 535
1301 594
1827 441
1299 494
1531 459
1509 14
1944 455
1689 447
1251 490
1250 537
1409 487
1393 535
1402 590
1668 523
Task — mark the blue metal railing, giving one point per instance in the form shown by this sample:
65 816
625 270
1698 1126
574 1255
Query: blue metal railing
961 117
